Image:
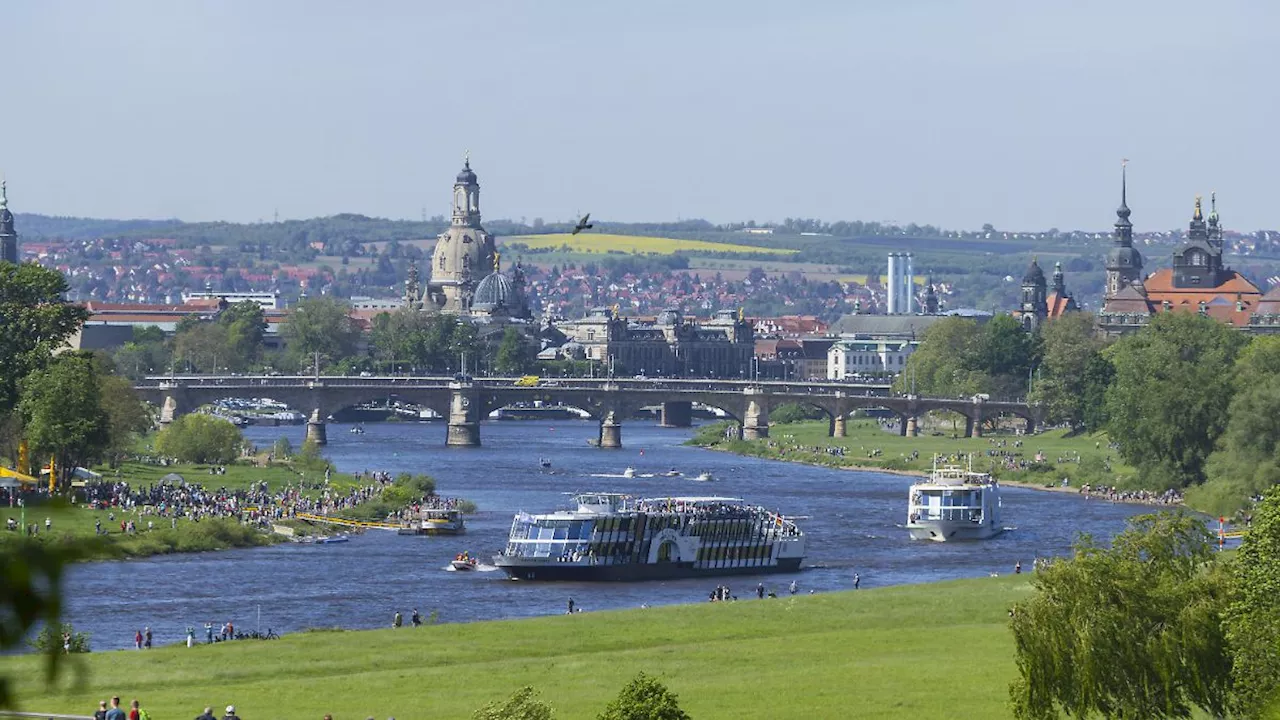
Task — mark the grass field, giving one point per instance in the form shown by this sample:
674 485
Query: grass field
795 441
940 650
603 243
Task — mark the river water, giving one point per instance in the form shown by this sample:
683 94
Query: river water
851 522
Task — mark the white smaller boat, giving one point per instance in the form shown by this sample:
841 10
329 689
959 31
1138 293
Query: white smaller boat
544 462
357 430
630 472
704 477
672 473
464 561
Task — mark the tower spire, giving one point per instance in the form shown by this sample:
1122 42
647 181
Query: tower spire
4 199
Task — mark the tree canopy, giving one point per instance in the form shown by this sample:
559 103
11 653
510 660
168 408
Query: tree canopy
1071 343
644 698
321 325
1131 631
63 414
34 322
1253 617
1168 402
200 438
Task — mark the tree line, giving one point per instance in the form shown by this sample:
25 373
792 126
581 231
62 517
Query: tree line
1191 403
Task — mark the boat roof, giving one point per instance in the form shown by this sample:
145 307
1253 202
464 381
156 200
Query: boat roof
695 499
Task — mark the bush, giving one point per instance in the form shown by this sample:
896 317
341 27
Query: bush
795 412
200 438
49 639
644 698
282 449
523 705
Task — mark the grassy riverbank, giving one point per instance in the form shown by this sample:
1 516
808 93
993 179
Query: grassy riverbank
1080 459
879 653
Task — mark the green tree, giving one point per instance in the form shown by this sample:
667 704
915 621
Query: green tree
245 325
50 639
202 345
1071 342
35 321
1247 459
1131 631
1098 374
62 412
1253 617
127 415
1169 400
200 438
515 354
644 698
523 705
321 325
942 365
1005 353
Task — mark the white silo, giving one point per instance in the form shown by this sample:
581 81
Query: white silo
891 285
909 286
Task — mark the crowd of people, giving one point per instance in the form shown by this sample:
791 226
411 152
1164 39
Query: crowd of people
1150 497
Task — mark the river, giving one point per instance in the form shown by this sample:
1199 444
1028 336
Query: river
851 521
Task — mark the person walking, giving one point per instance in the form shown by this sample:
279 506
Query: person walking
115 713
570 606
135 712
101 712
137 639
146 638
231 713
793 587
208 637
760 591
206 715
398 620
415 618
191 636
857 580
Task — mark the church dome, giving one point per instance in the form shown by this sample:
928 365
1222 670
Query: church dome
1124 257
493 292
467 176
1034 276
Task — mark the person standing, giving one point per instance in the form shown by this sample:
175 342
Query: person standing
570 606
208 636
115 713
191 636
135 712
416 619
101 712
231 713
793 587
146 638
137 639
206 715
760 591
857 580
398 620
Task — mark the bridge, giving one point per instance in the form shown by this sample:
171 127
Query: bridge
465 401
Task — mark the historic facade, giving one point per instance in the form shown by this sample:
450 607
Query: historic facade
1039 305
8 237
464 253
669 345
1198 281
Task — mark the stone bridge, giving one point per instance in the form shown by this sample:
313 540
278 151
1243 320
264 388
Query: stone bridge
466 401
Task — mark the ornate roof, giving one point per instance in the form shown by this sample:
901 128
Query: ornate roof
1034 275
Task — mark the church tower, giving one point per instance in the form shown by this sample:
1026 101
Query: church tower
1124 262
464 252
1035 303
8 237
930 297
1059 281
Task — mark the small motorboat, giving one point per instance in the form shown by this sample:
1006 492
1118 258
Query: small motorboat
464 561
630 472
357 430
544 462
332 539
704 477
672 473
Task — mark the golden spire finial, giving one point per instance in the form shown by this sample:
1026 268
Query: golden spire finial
1198 214
615 311
497 261
742 314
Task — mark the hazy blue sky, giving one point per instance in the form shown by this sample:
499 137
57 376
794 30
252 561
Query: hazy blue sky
953 113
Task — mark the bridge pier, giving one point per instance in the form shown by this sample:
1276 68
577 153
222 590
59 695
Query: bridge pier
676 415
913 427
316 429
464 420
972 427
1031 426
838 427
755 421
169 411
610 431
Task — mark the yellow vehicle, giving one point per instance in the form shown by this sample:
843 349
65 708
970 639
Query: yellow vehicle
527 381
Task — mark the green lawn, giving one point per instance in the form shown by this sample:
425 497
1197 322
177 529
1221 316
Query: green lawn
940 650
239 476
794 441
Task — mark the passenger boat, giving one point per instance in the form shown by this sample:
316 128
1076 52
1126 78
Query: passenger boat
435 522
704 477
955 503
630 472
610 536
464 561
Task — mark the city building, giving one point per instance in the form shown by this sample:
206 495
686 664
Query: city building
266 300
856 359
1198 281
464 253
1038 304
900 288
668 345
111 325
8 236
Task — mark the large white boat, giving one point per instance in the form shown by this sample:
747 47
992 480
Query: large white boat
609 536
955 503
435 521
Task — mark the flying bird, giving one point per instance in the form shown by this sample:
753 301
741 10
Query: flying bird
582 224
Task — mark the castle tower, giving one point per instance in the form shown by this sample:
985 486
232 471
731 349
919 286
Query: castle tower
411 292
1059 281
1035 303
1124 262
930 297
8 237
464 253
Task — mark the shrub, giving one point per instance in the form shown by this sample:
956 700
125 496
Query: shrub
644 698
200 438
523 705
49 639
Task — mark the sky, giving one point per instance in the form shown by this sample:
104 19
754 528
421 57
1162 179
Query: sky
944 112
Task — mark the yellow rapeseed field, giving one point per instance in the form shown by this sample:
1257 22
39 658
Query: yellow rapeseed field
603 242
